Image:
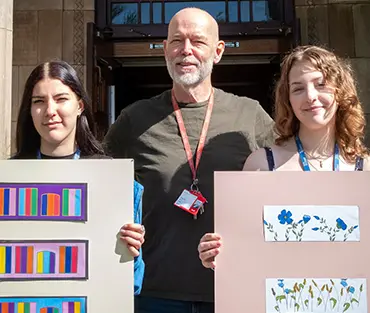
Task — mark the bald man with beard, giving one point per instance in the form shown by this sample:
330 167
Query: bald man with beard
165 136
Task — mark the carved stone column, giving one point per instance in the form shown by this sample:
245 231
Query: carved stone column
6 49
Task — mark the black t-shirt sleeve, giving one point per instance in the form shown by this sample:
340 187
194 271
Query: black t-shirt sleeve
117 141
264 128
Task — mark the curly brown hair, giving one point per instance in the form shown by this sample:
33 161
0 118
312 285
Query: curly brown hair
350 119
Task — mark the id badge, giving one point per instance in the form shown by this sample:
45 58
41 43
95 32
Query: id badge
190 201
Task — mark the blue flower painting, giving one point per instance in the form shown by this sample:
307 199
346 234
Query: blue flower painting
311 223
316 295
285 217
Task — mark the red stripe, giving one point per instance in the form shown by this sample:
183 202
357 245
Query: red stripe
74 260
18 258
28 201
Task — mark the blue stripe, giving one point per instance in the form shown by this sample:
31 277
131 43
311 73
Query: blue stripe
6 201
50 310
78 203
22 202
46 262
44 201
8 260
68 260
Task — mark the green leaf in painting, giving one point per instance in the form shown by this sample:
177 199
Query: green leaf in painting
361 287
277 308
341 292
354 300
301 286
346 306
319 301
306 302
297 306
304 281
334 302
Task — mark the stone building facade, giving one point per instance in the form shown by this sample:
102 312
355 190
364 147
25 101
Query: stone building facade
32 31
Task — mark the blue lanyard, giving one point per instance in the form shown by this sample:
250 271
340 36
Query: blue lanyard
76 155
303 157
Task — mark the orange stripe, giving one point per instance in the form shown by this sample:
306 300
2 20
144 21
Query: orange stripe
2 201
5 308
62 259
30 260
50 208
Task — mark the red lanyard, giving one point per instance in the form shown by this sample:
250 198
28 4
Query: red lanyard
185 138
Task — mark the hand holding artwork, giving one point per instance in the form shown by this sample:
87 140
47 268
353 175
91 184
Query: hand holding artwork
209 248
133 236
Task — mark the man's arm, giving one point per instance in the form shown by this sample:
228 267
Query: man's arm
117 141
264 128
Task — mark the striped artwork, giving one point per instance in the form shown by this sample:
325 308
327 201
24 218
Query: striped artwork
50 204
7 201
24 259
43 259
20 307
28 202
64 202
5 260
68 259
49 310
43 304
71 307
45 262
71 202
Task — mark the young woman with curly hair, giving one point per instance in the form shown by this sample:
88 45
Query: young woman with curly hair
319 119
319 123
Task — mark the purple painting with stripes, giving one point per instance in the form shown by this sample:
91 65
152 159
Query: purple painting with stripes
43 259
54 201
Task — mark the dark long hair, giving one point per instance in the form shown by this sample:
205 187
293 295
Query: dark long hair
28 139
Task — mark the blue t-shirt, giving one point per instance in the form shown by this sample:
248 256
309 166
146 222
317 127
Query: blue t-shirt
139 265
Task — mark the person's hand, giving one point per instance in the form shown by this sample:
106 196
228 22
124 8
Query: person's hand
133 236
209 248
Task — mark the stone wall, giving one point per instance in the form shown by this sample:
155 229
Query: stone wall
343 26
46 30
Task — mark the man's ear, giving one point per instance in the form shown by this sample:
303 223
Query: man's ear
220 48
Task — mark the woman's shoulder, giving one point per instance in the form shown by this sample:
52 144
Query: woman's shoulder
257 160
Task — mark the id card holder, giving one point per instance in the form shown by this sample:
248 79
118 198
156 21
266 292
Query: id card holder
191 201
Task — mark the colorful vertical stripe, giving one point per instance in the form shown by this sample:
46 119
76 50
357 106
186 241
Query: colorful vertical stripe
45 262
26 307
7 307
27 201
68 256
8 201
24 259
49 310
72 202
71 307
50 204
5 260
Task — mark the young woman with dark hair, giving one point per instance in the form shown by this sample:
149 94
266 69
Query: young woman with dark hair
55 121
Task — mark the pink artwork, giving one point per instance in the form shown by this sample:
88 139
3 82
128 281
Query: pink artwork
249 265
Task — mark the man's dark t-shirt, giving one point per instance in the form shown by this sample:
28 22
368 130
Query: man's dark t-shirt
147 131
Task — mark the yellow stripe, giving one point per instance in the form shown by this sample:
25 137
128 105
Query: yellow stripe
40 261
77 307
20 307
2 260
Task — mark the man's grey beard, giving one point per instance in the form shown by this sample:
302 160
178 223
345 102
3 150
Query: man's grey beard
190 79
